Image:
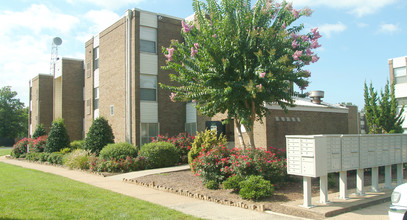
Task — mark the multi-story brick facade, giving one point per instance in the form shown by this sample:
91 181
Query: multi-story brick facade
123 69
58 96
40 103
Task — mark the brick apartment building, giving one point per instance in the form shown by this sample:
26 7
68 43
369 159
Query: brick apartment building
58 96
120 82
40 95
123 69
398 70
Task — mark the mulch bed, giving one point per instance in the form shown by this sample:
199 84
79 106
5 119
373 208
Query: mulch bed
186 181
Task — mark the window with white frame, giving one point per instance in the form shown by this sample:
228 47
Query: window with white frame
148 40
96 98
148 130
95 58
400 75
148 87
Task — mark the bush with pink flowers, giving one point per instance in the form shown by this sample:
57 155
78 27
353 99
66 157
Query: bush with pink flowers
38 144
20 148
220 163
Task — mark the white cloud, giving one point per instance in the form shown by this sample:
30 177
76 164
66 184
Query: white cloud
37 18
362 25
328 29
357 7
388 28
108 4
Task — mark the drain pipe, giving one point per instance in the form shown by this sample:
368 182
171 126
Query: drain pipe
129 16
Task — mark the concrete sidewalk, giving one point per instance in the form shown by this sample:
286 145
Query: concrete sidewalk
195 207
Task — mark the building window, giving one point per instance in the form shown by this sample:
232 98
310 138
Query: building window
96 98
148 87
88 104
96 58
148 130
111 110
400 75
88 73
190 128
147 46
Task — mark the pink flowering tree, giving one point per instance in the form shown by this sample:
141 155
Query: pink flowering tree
235 58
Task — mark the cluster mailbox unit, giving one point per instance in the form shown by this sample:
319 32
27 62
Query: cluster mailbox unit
317 155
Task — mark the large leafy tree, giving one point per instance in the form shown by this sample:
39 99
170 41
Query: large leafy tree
235 58
381 112
13 115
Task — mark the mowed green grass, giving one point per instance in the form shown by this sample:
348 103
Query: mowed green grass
4 151
31 194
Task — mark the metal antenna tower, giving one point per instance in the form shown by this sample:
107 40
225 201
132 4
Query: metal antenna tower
54 54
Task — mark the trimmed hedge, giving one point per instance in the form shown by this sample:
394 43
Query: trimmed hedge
159 154
118 151
58 137
100 134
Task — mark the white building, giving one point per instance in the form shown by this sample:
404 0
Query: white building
398 69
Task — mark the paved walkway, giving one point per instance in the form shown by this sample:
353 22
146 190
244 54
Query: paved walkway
195 207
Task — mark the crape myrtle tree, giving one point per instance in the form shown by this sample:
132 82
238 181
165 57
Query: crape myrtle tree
381 112
235 58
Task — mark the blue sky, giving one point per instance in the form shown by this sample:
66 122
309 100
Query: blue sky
359 36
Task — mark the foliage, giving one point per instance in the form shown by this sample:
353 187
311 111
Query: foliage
77 144
212 165
183 141
33 156
212 185
159 154
205 140
39 131
118 151
220 163
39 144
255 187
128 164
27 193
66 150
58 137
257 162
44 156
100 134
13 115
20 148
381 113
242 57
233 183
55 158
78 159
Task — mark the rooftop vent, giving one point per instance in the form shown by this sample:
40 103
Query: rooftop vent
316 96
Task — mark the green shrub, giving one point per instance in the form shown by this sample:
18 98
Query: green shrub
233 183
183 141
44 156
159 154
58 137
78 144
39 131
118 151
100 134
20 148
212 185
78 159
66 150
33 156
255 187
123 165
56 158
205 140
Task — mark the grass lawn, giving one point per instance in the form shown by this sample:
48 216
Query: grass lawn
31 194
4 151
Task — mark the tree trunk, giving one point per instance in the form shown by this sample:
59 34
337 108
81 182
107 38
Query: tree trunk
250 132
239 134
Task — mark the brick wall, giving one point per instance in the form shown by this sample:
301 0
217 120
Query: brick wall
42 88
72 97
88 82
